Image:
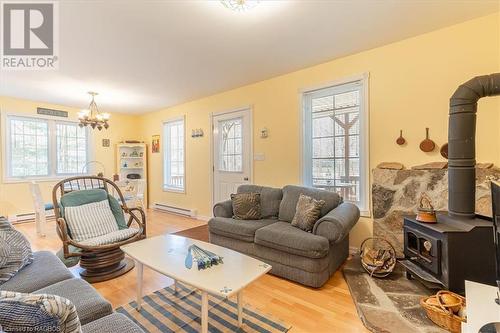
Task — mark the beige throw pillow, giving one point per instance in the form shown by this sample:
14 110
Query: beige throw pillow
246 206
307 212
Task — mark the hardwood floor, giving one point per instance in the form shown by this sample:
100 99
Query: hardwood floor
328 309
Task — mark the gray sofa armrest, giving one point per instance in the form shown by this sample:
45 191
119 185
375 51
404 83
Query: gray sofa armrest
337 223
223 209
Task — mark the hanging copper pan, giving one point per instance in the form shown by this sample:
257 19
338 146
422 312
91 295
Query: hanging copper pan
427 145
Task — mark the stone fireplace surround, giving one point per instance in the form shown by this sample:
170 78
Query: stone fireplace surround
396 193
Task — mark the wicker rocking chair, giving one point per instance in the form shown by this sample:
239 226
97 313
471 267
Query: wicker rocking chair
101 257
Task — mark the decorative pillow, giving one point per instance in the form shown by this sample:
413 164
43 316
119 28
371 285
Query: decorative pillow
246 206
307 212
37 313
15 251
90 220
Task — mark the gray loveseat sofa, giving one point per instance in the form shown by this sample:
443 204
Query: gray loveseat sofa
48 275
309 258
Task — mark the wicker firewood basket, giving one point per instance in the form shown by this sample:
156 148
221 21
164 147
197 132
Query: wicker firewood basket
378 257
445 315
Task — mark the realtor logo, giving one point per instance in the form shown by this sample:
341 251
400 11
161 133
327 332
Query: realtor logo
29 35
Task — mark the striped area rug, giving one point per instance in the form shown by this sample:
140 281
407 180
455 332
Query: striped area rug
167 311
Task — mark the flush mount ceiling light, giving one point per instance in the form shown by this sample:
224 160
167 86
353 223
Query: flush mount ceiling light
92 116
240 5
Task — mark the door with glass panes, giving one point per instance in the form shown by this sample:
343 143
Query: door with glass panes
232 153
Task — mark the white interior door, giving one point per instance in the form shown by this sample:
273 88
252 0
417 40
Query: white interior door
232 153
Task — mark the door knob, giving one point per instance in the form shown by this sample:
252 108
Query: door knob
246 178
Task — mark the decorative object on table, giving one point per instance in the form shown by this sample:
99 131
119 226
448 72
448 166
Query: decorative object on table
427 145
495 199
400 141
124 154
92 116
155 144
141 154
204 258
425 211
125 165
134 153
444 150
197 133
89 203
378 257
106 143
446 309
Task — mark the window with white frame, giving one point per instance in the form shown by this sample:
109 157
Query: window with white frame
173 155
71 143
38 148
335 136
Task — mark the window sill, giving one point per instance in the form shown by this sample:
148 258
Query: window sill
174 190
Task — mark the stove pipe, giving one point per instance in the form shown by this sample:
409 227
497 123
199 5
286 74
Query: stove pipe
461 143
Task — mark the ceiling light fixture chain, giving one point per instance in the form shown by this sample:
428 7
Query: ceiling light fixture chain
92 117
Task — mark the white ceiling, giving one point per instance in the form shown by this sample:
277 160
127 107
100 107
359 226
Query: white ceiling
146 55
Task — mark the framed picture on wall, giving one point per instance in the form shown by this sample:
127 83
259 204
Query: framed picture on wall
155 144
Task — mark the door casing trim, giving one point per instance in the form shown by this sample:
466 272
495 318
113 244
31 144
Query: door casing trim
212 115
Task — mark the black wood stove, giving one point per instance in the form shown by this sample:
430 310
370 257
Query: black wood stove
449 252
460 246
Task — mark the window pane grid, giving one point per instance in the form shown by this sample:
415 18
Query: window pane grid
71 143
174 155
28 148
335 138
230 145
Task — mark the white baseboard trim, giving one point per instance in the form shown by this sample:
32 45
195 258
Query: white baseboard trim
353 250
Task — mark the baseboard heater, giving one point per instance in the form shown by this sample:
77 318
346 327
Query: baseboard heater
176 210
28 217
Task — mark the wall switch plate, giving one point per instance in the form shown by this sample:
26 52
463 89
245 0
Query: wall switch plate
259 157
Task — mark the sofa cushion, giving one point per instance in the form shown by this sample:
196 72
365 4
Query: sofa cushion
90 220
15 251
115 322
307 212
238 229
291 194
20 312
270 199
285 237
90 305
46 269
246 206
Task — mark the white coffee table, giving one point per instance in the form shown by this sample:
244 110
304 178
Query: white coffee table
166 255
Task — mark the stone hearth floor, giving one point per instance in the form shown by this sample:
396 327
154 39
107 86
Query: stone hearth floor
390 304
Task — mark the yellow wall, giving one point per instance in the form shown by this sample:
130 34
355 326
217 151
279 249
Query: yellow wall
15 197
410 85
